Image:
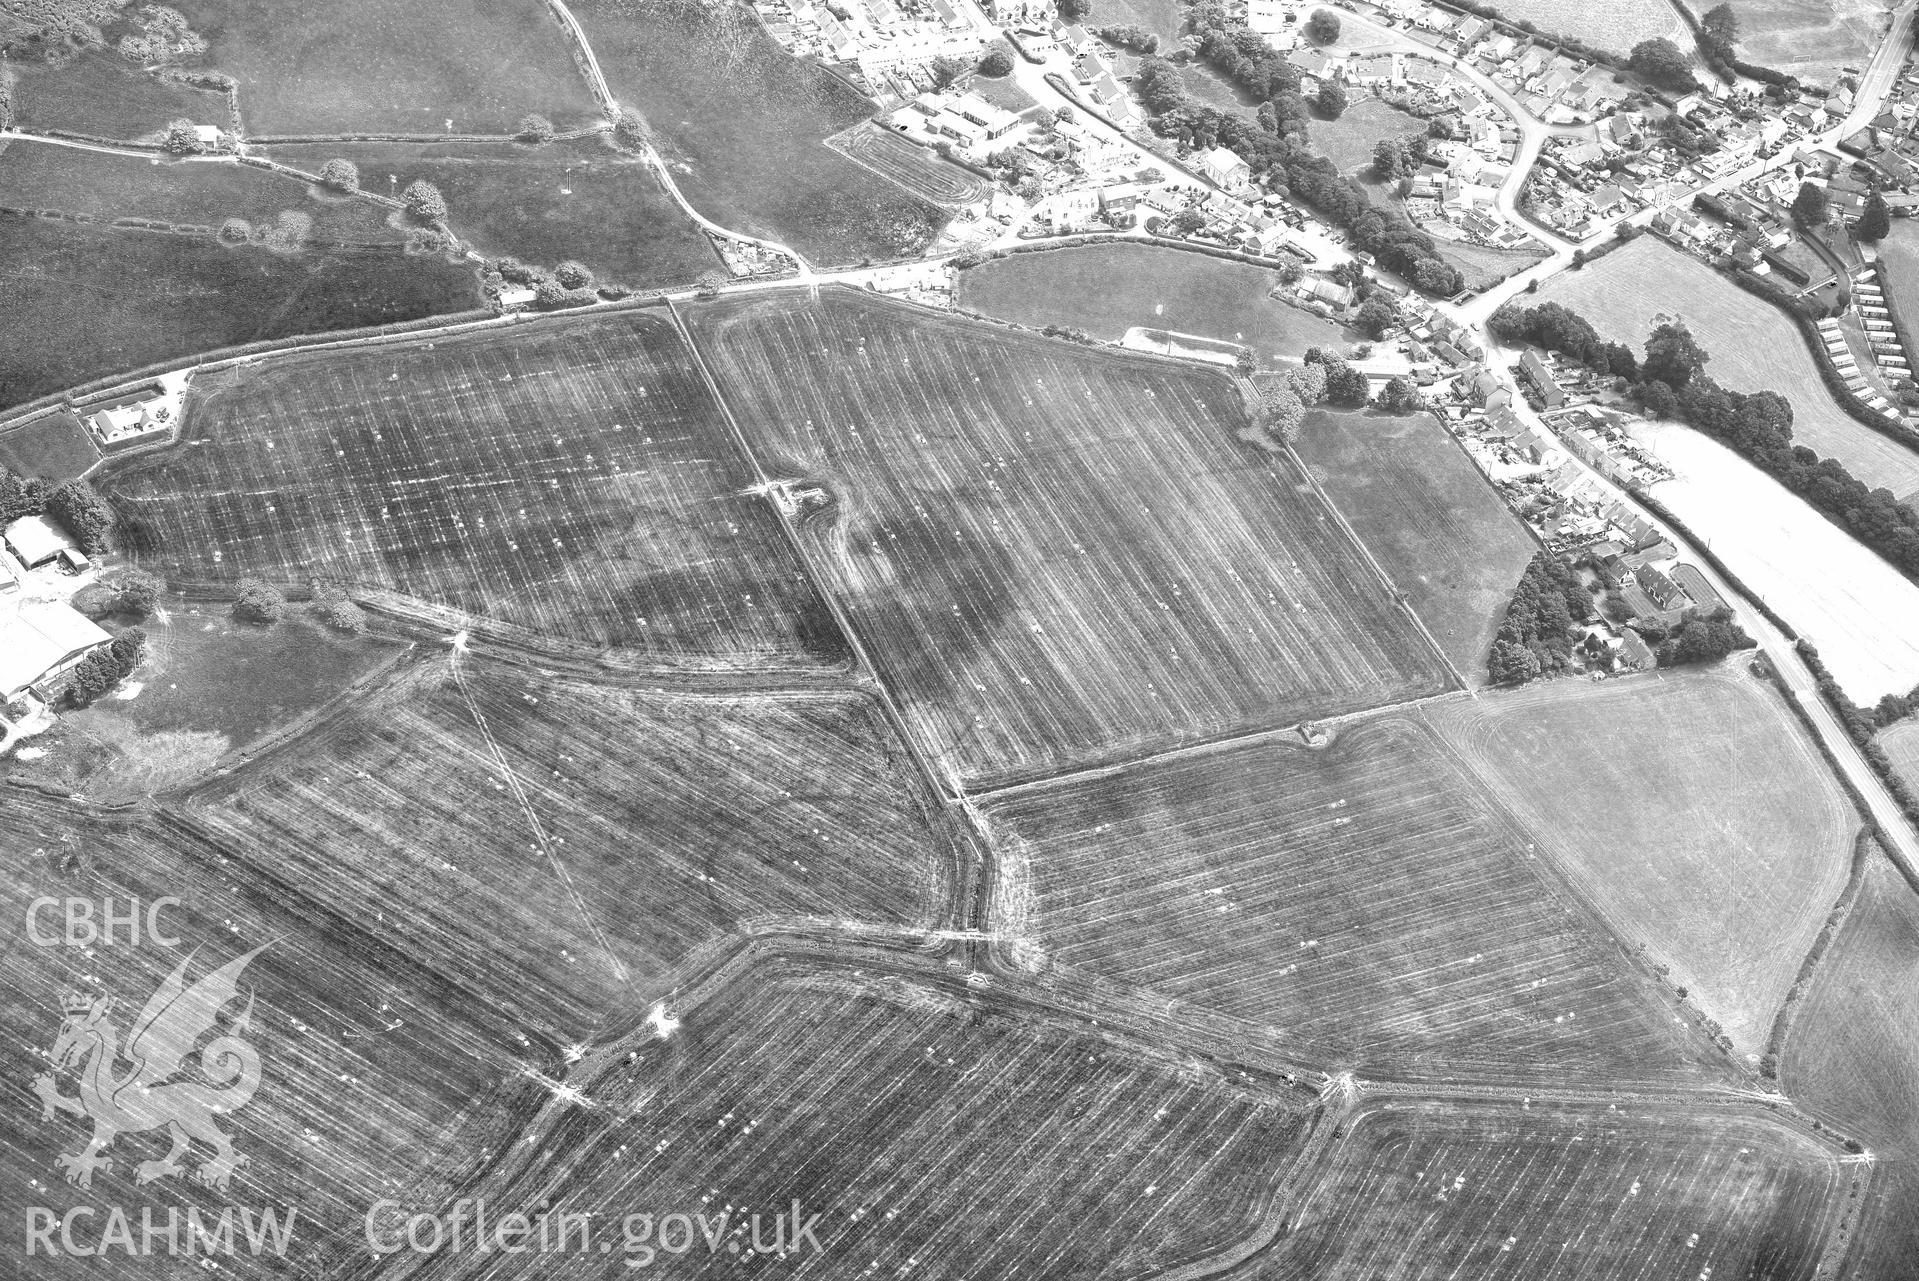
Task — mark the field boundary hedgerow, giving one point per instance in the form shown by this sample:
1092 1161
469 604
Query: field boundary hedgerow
1863 845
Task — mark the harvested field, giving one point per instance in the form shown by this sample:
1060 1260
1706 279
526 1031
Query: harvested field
1055 555
909 165
1812 39
743 124
1901 742
1849 601
1753 346
560 847
86 301
1854 1058
1366 903
1689 810
102 95
1420 505
572 479
55 445
378 1073
1500 1192
878 1098
1108 289
186 195
1616 26
393 66
582 200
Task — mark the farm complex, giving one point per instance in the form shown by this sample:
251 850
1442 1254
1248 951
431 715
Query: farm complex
959 640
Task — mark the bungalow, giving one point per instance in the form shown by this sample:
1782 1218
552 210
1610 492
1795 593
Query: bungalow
996 121
125 420
40 639
1374 70
1472 31
1534 371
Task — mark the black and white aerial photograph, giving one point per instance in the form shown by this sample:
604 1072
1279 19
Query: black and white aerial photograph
959 640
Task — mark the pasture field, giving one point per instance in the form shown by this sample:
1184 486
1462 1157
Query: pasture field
1753 347
1901 742
55 445
1482 266
1108 289
1689 810
82 302
1348 141
206 686
201 195
1365 903
1899 251
561 846
876 1100
572 479
103 95
1617 25
1165 17
392 66
743 125
1812 39
1055 555
378 1072
1420 505
911 166
1502 1192
1862 613
1853 1057
581 200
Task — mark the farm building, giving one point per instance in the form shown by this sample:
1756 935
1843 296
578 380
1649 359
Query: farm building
39 639
37 541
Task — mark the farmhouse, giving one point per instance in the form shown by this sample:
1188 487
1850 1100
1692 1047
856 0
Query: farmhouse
39 639
127 420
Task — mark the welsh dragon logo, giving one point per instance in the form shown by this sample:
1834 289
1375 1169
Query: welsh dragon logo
145 1097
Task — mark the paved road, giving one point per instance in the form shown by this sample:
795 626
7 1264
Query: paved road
1882 71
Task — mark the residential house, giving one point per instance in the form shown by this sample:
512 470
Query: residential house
1535 371
1224 168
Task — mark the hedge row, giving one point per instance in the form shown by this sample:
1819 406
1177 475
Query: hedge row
1862 844
1861 727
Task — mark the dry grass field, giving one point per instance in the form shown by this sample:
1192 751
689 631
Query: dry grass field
1505 1192
1366 902
392 66
1753 347
935 1136
1348 141
1901 742
1055 555
743 124
560 847
1812 39
582 200
1617 25
55 445
572 478
1421 506
378 1071
1854 1058
1108 289
1689 810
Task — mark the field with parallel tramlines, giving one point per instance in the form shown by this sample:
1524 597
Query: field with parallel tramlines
1055 555
392 66
936 1134
559 847
1689 809
743 124
1419 504
1752 345
581 200
381 1074
1364 903
910 165
1853 1057
1505 1192
573 479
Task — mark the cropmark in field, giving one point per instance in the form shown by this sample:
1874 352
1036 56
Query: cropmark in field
1363 905
1689 810
574 481
1055 555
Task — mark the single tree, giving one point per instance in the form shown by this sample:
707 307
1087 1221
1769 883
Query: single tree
1722 24
1375 316
1063 115
1280 414
1436 277
341 175
1074 10
1389 159
1400 395
1188 221
1331 100
997 62
424 201
1660 61
1512 663
236 231
181 138
1672 357
1322 27
573 275
1875 222
1810 206
259 602
534 129
708 285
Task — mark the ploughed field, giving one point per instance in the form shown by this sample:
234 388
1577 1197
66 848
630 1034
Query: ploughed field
1690 811
875 1101
561 846
1054 555
1515 1192
1363 905
574 480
